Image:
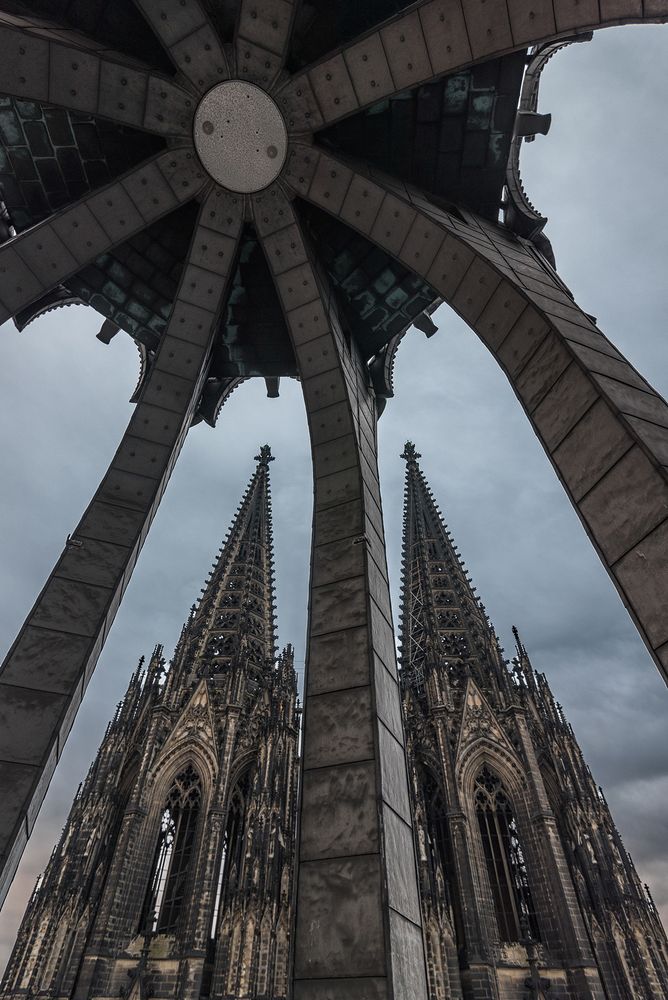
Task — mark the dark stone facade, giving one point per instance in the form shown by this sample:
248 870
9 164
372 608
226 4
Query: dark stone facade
526 889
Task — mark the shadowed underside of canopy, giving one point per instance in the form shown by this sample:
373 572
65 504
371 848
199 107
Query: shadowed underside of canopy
262 188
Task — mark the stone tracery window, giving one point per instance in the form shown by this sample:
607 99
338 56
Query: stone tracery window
174 851
234 841
506 867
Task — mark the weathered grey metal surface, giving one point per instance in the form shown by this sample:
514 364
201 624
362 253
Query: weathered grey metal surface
437 37
356 855
240 136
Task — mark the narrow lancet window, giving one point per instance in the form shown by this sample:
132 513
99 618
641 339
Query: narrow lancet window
173 854
506 867
232 855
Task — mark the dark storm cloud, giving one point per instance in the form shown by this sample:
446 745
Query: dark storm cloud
600 177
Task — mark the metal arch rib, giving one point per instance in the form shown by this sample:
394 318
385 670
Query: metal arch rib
577 389
38 259
189 38
432 39
74 73
52 659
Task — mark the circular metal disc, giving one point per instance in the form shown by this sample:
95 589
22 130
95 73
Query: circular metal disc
240 136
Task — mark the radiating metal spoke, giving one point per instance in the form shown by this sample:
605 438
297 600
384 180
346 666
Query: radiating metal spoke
434 38
577 389
50 663
190 38
47 254
261 39
353 735
80 76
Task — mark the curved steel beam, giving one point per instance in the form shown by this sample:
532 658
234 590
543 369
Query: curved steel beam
261 39
356 854
41 257
438 37
603 426
47 669
81 78
190 40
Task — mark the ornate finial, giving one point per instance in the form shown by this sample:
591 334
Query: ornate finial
265 456
409 454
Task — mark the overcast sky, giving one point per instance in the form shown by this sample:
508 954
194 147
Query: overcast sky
600 177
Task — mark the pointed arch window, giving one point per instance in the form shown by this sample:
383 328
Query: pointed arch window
174 851
504 858
234 840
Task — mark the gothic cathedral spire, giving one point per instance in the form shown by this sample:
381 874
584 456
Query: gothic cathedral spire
173 874
524 883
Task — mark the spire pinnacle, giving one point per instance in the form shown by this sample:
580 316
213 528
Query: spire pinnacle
410 453
265 456
232 625
442 620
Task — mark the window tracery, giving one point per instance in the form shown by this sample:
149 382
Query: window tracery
174 851
506 867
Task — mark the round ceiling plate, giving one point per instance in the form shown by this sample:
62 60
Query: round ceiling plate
240 136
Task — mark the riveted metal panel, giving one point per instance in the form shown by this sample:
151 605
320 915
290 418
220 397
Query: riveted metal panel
362 203
445 33
24 67
76 603
46 255
393 223
123 93
191 323
330 184
333 87
422 244
81 232
300 167
127 489
316 356
571 14
172 20
257 64
213 251
18 285
307 322
451 264
266 24
296 287
169 109
116 212
170 391
201 57
183 172
74 78
369 69
285 249
532 22
488 26
154 422
300 108
201 288
323 390
150 192
180 357
406 50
